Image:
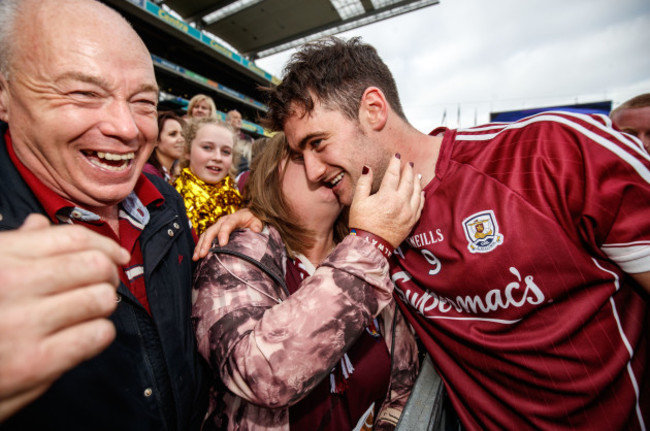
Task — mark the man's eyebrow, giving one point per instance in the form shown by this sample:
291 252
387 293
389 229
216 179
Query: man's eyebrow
303 142
148 87
80 76
101 82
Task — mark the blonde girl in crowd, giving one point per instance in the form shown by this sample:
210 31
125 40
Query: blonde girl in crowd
204 183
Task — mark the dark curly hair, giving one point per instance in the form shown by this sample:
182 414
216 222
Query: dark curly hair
336 72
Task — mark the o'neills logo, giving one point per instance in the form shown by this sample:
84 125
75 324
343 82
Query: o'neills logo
482 232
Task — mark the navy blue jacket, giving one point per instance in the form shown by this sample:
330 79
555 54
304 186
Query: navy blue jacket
151 377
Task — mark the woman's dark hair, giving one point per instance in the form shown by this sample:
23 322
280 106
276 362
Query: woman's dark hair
162 117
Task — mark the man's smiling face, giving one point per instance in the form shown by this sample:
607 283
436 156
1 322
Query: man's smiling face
335 148
80 103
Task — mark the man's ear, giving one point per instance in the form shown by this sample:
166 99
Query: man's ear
373 109
4 99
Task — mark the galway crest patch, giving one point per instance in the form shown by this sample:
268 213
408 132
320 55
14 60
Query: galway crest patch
482 232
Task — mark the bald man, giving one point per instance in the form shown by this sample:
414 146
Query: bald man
633 117
78 102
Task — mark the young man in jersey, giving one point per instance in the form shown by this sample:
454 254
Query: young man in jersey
527 275
633 117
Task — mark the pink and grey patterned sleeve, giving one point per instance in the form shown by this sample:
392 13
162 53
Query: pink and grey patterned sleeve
271 353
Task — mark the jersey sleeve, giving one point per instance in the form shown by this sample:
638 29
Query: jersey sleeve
617 192
578 170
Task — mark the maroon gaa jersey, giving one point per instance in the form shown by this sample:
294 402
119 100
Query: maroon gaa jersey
516 276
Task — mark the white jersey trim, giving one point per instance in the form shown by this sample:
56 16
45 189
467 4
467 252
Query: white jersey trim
363 420
633 258
627 140
628 347
305 264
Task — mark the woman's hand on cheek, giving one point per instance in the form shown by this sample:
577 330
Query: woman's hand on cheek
393 210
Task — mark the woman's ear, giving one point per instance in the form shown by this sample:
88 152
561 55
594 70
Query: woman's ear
373 109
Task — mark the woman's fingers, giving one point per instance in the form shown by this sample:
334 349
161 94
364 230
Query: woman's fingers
364 184
392 211
222 229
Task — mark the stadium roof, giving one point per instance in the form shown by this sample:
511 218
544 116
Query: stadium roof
258 28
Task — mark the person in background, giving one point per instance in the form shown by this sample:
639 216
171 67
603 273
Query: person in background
242 177
633 117
175 170
170 146
241 157
78 122
292 351
242 150
204 182
201 106
234 119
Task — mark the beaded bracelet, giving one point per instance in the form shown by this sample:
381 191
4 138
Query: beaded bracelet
380 243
